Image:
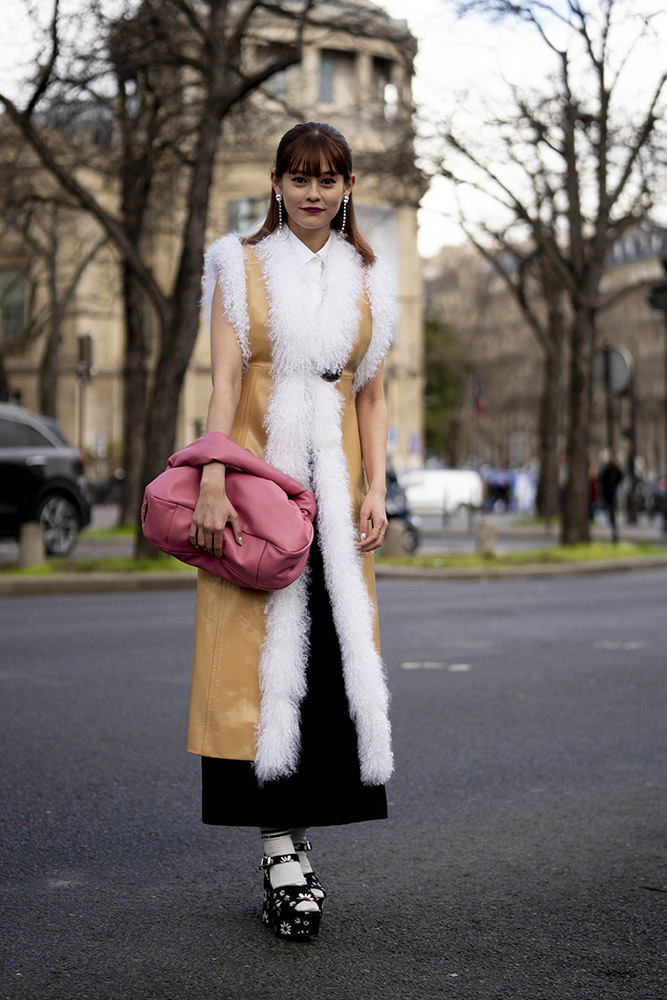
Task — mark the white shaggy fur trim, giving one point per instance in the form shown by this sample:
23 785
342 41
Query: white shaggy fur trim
363 671
224 265
304 439
282 681
380 287
307 337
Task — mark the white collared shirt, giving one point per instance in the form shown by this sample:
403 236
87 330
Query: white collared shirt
313 264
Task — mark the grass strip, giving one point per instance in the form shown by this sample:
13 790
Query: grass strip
112 564
119 531
554 554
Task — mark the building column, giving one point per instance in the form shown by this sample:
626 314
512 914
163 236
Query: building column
308 93
366 99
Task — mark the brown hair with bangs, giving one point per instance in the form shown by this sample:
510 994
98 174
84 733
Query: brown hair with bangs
301 151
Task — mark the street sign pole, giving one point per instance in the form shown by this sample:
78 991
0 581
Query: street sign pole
609 400
85 371
613 371
657 299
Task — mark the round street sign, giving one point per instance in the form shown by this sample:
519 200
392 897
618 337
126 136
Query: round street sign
612 369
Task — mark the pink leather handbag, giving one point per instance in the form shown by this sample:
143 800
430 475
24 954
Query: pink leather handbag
275 512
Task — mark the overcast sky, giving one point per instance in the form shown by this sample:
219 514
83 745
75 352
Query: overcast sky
460 59
456 58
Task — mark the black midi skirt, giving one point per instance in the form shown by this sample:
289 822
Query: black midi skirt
326 789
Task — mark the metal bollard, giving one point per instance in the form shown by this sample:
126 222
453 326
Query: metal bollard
393 542
31 544
485 538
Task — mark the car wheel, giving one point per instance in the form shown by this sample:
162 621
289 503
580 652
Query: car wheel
60 520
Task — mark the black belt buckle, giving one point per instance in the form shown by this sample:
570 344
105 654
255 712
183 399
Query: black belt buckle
331 376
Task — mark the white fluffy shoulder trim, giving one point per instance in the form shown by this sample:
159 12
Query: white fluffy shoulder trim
224 263
381 290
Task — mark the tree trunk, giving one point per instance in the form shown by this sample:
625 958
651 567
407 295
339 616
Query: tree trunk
548 504
453 441
161 412
575 525
180 320
134 397
4 381
48 368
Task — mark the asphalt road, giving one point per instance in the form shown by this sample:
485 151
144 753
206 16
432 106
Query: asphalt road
525 854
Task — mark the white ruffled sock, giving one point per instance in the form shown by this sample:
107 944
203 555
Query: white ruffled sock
300 836
277 843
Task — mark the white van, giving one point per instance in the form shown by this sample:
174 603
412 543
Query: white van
442 491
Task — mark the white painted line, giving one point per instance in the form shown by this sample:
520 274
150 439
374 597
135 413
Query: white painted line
615 644
424 665
455 668
473 643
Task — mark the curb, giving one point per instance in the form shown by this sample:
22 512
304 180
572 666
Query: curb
102 583
630 565
95 583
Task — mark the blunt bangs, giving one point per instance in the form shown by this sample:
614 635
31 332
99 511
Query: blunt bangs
307 153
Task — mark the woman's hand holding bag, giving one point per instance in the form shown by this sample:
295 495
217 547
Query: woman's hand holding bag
213 512
275 515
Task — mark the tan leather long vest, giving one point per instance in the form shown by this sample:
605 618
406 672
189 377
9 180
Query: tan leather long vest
230 623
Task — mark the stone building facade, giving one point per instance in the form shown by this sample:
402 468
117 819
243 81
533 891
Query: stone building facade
501 359
356 76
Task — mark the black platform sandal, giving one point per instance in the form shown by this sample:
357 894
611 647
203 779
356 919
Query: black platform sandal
312 881
280 912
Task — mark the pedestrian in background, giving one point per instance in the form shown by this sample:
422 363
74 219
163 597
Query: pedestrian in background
593 491
611 477
289 700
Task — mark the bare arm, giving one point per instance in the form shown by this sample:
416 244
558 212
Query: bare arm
213 509
372 419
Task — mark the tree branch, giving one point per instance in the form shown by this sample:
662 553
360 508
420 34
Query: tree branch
87 200
639 143
45 74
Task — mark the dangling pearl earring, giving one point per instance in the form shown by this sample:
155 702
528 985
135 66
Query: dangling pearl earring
345 201
279 199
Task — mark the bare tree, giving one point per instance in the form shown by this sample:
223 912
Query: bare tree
574 173
34 218
529 277
201 45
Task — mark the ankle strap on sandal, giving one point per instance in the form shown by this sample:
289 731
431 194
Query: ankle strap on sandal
279 859
303 846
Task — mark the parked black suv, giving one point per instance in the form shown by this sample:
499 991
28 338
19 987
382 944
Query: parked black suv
41 479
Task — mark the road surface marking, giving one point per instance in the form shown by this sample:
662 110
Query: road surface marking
454 668
612 644
473 643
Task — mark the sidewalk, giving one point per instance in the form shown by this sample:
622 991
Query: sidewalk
505 526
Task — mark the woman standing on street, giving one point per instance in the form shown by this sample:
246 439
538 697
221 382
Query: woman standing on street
289 701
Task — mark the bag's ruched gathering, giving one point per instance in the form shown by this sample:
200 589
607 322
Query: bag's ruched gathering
275 512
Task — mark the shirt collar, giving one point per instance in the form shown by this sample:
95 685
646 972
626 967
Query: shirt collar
303 253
